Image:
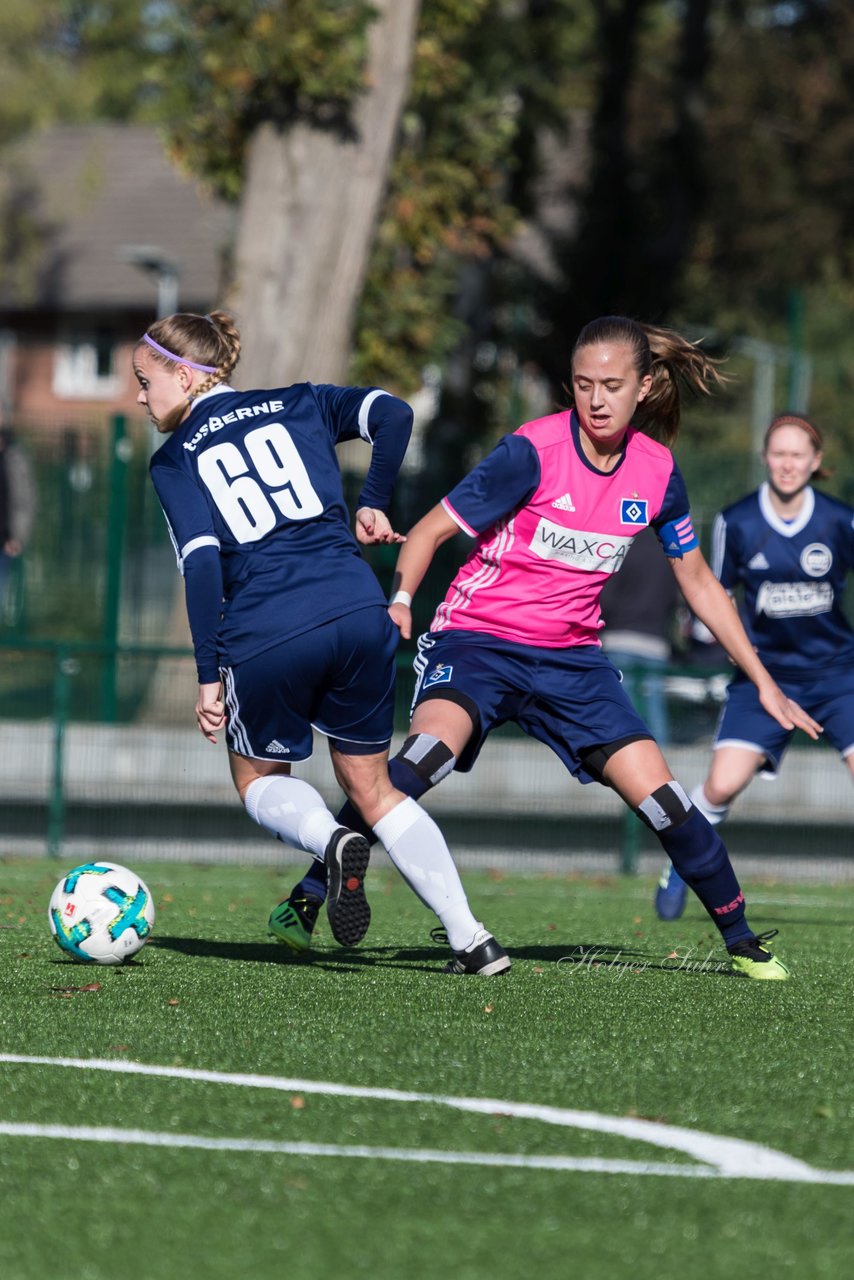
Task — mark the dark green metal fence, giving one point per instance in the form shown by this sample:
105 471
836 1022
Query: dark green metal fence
98 750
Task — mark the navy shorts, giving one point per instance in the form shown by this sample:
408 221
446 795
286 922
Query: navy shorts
571 699
338 678
827 696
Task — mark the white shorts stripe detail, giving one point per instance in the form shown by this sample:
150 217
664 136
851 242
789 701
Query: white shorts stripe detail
420 664
236 729
379 743
742 743
364 410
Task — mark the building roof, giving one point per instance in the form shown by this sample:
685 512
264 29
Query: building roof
89 192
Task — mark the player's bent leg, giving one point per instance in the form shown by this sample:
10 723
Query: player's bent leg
296 814
420 764
732 769
701 858
671 892
418 850
695 849
713 813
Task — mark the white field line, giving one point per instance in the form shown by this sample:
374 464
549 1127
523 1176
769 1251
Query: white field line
721 1157
147 1138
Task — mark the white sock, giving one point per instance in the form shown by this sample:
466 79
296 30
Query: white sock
292 810
417 848
715 813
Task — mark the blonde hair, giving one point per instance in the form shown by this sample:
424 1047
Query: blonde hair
815 437
206 340
669 358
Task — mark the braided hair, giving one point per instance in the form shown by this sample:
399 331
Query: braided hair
207 340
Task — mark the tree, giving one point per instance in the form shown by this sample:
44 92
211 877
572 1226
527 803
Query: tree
65 60
707 139
308 215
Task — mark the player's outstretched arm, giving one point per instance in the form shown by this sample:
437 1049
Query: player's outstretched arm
713 606
373 526
414 560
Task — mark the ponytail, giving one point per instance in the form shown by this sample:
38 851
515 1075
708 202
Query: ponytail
669 359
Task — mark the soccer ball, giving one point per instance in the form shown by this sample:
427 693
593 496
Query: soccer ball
101 913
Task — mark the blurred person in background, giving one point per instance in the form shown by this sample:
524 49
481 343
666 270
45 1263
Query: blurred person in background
552 512
17 513
638 609
290 629
789 549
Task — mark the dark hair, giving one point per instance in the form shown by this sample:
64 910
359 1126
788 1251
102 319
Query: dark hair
815 437
211 339
668 357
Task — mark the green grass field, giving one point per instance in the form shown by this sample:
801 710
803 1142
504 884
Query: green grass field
201 1169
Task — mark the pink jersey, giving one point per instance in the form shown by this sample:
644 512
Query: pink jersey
551 528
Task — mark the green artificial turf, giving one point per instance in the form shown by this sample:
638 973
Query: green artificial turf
607 1010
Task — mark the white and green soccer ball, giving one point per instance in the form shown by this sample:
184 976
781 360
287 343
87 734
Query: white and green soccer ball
101 913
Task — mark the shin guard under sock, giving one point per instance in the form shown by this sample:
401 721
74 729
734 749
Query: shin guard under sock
700 856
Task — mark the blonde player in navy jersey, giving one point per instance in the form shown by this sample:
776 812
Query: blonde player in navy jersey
289 626
551 514
789 548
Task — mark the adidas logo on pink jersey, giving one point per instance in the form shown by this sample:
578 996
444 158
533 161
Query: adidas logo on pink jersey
565 503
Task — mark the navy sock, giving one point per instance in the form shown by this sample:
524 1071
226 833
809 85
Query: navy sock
314 880
402 777
701 858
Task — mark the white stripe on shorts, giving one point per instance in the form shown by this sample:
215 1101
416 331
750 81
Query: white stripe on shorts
235 729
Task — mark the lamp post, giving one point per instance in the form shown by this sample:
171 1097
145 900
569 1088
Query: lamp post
155 262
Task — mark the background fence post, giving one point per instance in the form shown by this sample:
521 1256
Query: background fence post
116 518
631 842
65 666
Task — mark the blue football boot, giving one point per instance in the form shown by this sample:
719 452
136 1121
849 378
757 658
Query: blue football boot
671 894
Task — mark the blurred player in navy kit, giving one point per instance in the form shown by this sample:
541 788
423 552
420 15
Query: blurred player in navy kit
290 628
17 511
791 549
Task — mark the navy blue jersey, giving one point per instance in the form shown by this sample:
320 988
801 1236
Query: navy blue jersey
252 493
793 574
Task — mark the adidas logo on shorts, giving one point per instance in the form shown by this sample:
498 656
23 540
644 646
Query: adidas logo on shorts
275 748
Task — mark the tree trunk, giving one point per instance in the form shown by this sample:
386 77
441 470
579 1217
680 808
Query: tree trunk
308 219
307 222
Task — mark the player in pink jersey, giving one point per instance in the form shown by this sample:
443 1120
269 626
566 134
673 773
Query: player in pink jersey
552 512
